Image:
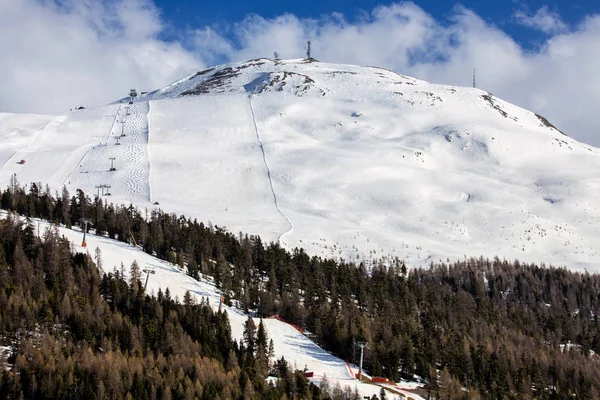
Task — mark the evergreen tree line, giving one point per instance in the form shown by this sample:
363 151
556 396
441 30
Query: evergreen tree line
494 327
76 334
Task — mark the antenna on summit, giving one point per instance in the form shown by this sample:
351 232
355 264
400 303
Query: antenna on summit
474 84
308 50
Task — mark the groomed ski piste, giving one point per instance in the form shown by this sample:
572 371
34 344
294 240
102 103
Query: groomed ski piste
299 351
347 162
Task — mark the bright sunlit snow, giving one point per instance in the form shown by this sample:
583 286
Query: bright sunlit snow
345 161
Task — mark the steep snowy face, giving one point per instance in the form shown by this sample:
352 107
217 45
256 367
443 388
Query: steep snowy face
345 161
308 77
297 77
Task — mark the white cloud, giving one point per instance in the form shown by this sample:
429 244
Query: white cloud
211 46
558 80
60 54
545 20
91 52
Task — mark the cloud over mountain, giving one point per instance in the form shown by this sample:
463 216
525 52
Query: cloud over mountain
74 52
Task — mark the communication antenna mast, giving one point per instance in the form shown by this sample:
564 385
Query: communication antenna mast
308 50
276 55
474 85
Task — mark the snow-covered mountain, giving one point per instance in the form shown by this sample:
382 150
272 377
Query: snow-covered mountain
345 161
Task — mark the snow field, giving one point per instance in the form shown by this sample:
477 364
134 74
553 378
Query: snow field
449 191
16 132
207 163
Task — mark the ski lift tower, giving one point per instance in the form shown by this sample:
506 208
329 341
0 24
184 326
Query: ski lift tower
85 222
132 94
362 350
148 271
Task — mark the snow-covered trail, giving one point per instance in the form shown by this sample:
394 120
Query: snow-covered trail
135 149
264 156
213 169
298 350
17 132
129 182
55 151
16 155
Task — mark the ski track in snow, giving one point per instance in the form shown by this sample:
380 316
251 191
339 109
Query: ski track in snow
135 148
264 156
148 153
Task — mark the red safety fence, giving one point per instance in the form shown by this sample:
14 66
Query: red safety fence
377 379
278 318
350 370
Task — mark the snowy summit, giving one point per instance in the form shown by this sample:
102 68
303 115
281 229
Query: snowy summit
346 161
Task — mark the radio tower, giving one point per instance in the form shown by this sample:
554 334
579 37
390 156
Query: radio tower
474 85
308 50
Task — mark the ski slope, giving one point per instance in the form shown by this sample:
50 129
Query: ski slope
298 350
213 166
353 162
17 131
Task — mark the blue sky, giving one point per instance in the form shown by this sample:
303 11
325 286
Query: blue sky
199 13
541 55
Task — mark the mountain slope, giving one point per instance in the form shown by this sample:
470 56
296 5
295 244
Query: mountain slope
346 161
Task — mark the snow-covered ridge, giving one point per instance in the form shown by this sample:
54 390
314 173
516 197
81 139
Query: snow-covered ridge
309 77
262 75
345 161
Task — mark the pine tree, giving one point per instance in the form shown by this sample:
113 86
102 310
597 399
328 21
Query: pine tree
249 340
271 353
98 258
262 347
382 394
135 276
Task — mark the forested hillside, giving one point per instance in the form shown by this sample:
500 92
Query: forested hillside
500 329
75 334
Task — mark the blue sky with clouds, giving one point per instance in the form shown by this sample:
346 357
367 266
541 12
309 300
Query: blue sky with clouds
541 55
199 13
